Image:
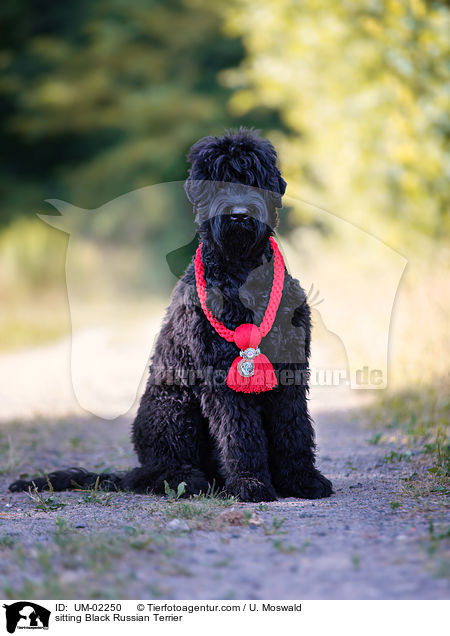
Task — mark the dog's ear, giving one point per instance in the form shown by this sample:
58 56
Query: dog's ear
189 188
276 196
197 156
198 149
198 190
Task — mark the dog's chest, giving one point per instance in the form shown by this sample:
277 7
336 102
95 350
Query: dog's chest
235 302
238 299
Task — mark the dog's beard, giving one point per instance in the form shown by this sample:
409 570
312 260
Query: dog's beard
236 239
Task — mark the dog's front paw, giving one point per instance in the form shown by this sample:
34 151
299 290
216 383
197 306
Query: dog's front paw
309 486
250 489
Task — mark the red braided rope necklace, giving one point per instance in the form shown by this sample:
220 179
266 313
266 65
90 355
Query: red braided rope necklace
251 371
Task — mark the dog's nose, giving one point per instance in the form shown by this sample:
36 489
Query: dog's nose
238 213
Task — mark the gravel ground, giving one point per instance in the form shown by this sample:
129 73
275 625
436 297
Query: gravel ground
365 542
370 540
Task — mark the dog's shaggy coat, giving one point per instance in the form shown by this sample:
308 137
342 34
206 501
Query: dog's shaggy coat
191 427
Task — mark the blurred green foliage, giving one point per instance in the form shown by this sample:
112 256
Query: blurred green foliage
101 97
362 86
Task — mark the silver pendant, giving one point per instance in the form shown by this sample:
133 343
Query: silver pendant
246 366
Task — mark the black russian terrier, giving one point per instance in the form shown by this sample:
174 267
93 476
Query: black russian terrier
191 426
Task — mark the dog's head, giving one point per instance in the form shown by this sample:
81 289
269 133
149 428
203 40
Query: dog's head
235 187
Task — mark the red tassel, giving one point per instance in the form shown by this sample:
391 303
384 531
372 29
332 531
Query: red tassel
263 378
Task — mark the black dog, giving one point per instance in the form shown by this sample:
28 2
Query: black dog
191 427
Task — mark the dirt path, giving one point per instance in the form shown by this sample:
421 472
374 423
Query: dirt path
367 541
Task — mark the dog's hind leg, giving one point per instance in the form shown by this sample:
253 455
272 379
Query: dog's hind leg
151 477
171 441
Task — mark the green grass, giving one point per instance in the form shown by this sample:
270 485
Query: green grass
395 456
437 547
202 510
375 439
47 569
172 494
6 541
275 527
417 420
44 503
80 561
283 547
